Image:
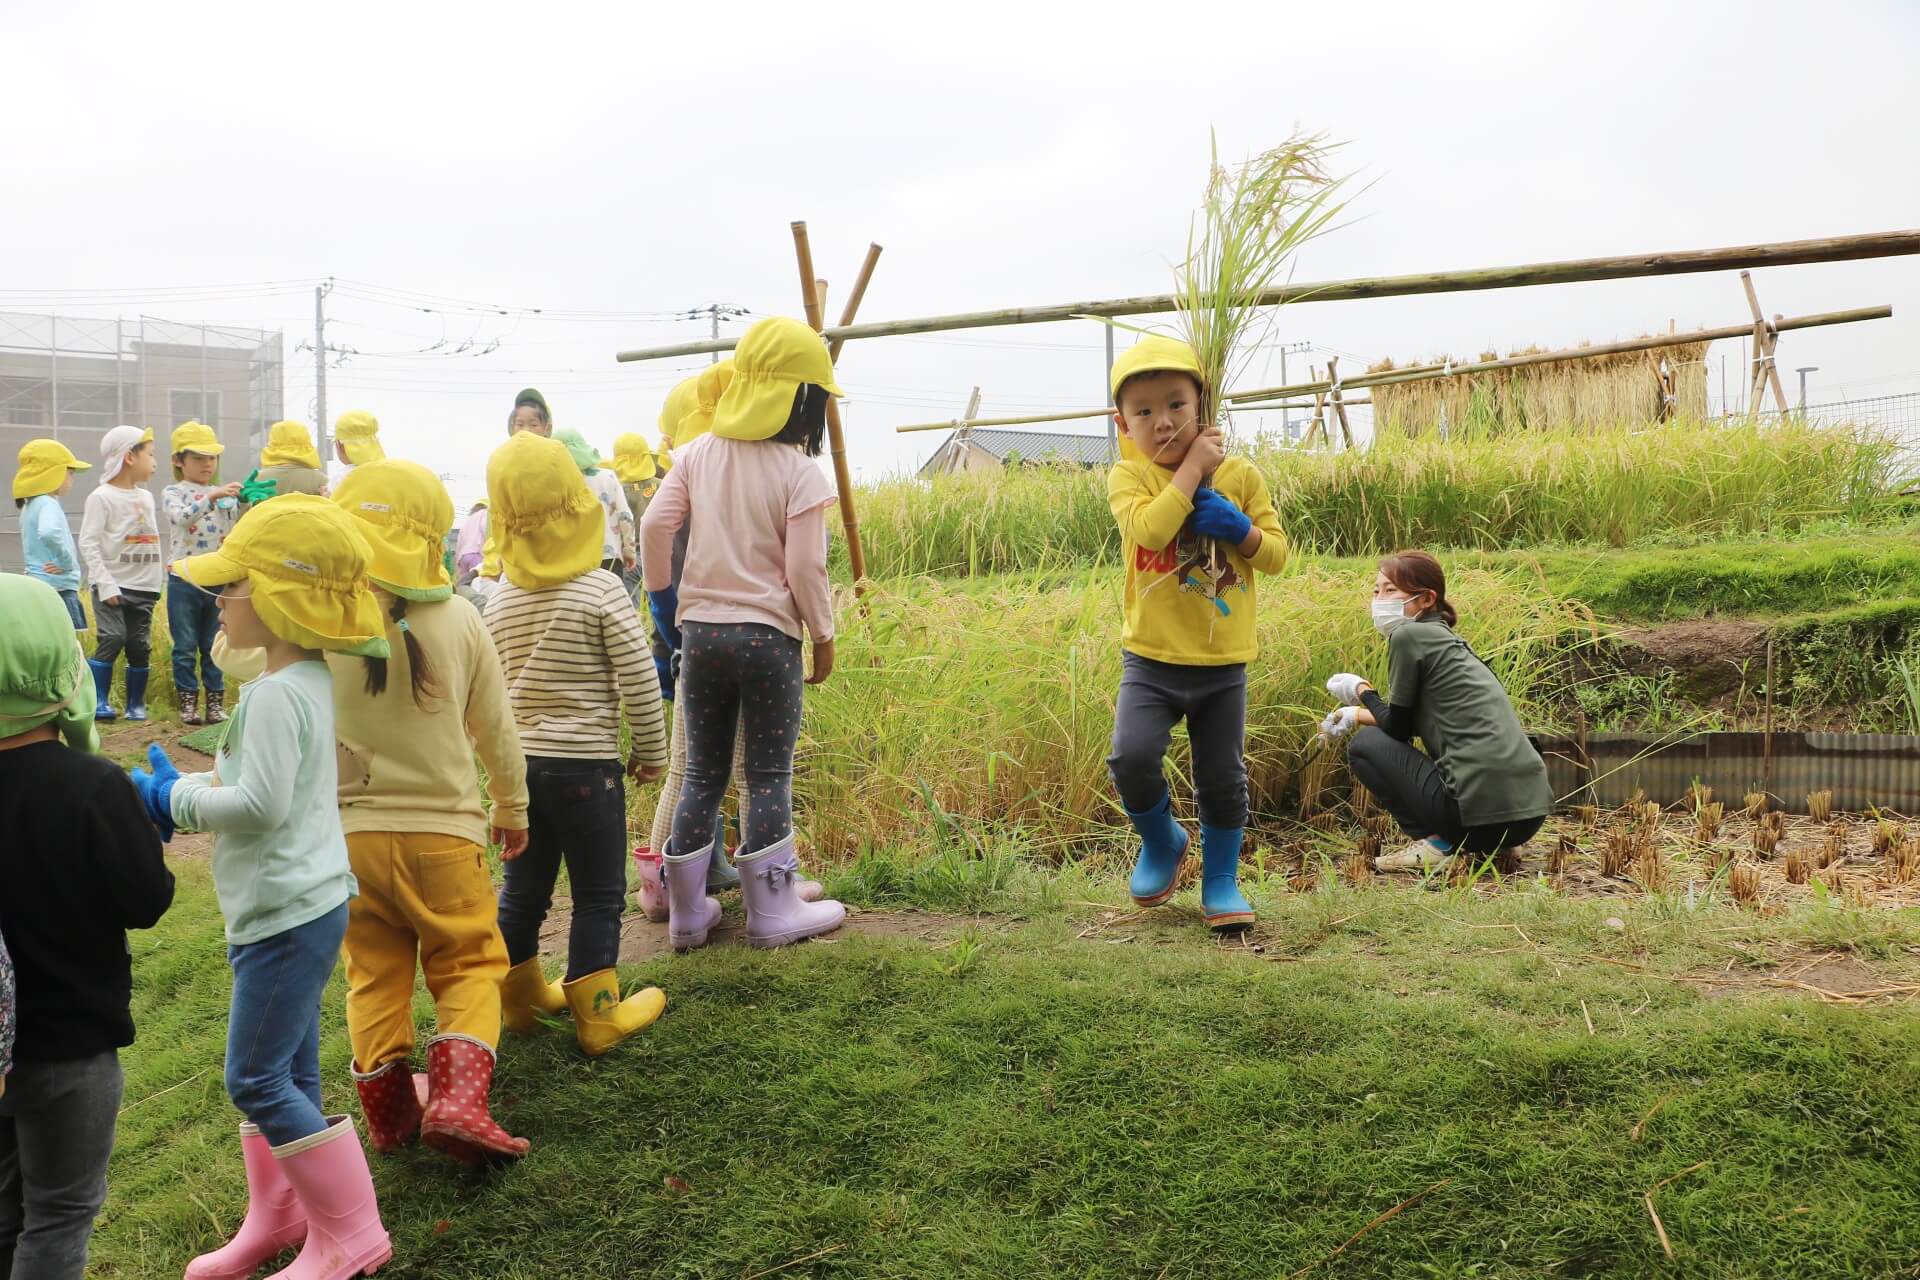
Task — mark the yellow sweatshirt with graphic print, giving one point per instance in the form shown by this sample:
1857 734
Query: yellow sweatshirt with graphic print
1176 611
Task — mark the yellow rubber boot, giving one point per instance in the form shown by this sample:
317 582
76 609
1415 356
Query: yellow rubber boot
525 993
601 1019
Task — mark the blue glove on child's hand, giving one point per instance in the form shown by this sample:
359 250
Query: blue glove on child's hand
663 668
156 789
664 605
1216 516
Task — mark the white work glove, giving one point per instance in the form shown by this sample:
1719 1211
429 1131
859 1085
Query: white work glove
1340 722
1345 688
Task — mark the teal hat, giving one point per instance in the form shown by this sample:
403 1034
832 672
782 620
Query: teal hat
585 456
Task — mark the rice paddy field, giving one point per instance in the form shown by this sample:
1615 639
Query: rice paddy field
1667 1041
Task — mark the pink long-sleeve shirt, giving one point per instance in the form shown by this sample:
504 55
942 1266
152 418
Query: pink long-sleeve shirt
757 545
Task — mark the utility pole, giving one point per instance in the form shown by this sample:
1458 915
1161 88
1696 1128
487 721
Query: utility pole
713 331
320 372
1113 428
713 311
1286 415
1803 371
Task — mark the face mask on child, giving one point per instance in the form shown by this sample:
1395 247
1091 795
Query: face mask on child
1389 616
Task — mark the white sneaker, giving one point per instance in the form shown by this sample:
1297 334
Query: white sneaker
1418 856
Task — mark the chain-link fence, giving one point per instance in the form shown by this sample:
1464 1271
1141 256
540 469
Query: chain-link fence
1896 416
74 379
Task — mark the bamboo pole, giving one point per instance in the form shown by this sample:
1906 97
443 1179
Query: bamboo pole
1422 373
1879 244
957 424
813 294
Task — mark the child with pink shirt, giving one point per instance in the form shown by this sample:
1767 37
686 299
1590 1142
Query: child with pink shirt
754 582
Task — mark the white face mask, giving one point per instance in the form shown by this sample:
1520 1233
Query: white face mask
1389 616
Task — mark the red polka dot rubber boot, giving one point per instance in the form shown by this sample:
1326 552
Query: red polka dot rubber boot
390 1099
457 1121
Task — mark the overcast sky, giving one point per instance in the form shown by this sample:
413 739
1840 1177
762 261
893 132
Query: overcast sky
644 159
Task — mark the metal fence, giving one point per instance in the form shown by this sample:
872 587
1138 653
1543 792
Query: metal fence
73 379
1896 416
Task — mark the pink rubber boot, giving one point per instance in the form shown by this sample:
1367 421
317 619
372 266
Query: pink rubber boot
770 887
652 892
328 1172
274 1223
691 913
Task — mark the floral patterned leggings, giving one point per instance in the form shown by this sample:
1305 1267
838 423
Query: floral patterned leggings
750 678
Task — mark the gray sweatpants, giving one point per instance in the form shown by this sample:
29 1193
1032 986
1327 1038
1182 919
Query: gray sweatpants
56 1133
1155 696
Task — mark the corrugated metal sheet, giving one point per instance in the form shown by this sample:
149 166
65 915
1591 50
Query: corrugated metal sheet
1862 770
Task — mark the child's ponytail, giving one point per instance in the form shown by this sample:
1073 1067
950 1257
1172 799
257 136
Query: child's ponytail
420 671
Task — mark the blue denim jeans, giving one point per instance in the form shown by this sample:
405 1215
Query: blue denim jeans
273 1030
193 617
577 816
74 611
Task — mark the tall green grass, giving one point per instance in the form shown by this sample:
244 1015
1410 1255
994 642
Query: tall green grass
1612 487
992 699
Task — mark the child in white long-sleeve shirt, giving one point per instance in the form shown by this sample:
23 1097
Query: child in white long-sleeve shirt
120 543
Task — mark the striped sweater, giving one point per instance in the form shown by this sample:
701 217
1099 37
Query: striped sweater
572 656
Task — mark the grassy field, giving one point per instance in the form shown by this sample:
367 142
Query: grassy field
1046 1096
1615 488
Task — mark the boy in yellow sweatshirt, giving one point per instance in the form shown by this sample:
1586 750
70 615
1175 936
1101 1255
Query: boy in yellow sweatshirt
417 831
1196 526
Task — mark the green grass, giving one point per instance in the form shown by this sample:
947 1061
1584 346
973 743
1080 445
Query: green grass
1026 1102
1613 487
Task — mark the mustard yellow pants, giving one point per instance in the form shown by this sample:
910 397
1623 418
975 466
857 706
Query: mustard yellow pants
425 899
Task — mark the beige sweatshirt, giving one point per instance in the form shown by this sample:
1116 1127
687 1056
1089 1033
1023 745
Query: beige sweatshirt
408 768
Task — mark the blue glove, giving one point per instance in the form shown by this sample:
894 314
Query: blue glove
663 605
156 789
1215 516
663 667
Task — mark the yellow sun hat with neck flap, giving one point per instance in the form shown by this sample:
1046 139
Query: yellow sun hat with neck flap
680 404
545 521
404 513
1152 354
289 445
709 385
44 464
307 562
775 358
358 434
633 459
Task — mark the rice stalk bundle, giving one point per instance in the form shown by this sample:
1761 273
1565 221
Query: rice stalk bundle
1767 833
1650 867
1886 834
1698 797
1706 821
1647 820
1360 800
1253 219
1381 827
1360 861
1562 855
1592 391
1833 848
1903 862
1327 822
1756 804
1796 867
1835 878
1588 814
1743 882
1617 854
1820 806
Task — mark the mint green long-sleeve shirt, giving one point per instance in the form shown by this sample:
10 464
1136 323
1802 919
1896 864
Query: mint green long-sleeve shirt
279 857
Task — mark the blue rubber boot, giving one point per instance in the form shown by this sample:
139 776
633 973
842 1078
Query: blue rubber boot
136 693
1220 898
103 690
1162 845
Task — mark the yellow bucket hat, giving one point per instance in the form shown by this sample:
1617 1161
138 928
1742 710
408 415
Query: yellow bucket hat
307 561
196 437
359 435
545 521
404 514
1152 354
681 402
43 465
289 445
776 358
633 459
708 386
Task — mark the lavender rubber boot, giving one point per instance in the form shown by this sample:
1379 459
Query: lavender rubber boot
776 914
691 914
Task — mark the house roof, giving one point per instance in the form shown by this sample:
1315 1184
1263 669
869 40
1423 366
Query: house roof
1040 446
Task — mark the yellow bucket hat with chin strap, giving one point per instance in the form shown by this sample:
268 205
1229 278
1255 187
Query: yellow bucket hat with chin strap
307 561
775 358
1152 354
44 464
404 513
544 520
289 445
